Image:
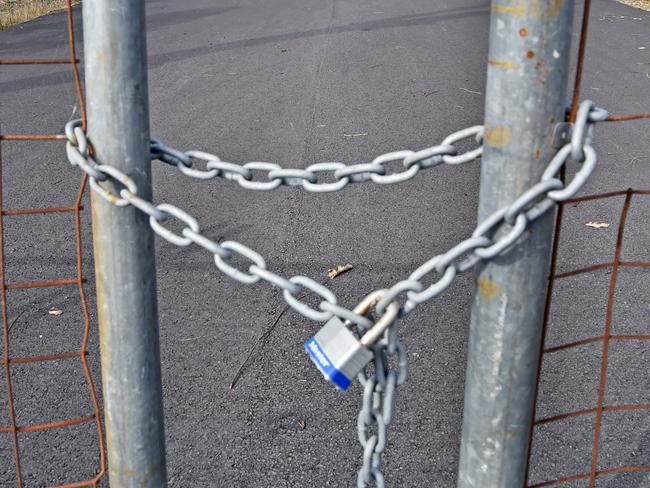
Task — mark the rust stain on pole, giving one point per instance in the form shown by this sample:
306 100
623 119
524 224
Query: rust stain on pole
498 136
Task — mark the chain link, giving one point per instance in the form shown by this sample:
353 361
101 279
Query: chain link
491 238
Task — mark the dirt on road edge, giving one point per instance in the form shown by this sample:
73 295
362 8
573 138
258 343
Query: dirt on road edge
19 11
641 4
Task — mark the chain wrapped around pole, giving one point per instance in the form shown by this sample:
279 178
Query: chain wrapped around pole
495 236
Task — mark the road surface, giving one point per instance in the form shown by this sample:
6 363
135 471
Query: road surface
298 82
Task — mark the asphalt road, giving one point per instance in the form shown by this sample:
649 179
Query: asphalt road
290 81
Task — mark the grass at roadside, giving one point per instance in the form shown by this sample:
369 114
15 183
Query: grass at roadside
13 12
642 4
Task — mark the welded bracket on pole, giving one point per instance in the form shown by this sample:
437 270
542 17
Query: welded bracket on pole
562 134
118 128
526 90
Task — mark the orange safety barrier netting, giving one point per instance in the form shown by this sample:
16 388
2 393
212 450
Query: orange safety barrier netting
593 472
81 354
604 339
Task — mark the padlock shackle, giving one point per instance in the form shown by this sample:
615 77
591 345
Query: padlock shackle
377 330
365 305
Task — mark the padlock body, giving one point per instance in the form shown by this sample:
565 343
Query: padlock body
337 353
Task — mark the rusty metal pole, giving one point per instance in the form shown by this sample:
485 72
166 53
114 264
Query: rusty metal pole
528 69
118 128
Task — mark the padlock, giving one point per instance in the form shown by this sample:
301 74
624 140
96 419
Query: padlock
338 353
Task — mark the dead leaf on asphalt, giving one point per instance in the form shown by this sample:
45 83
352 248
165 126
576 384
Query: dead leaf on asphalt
55 311
597 225
341 268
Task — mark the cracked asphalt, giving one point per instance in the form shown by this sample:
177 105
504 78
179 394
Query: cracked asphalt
297 82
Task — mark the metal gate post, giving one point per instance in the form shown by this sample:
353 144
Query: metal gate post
527 74
118 128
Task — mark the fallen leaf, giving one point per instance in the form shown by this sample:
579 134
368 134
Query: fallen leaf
597 225
341 268
471 91
55 311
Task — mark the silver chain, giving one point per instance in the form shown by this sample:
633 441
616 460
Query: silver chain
100 174
313 177
378 405
492 237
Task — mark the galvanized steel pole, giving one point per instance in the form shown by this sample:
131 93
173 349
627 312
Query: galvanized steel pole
118 128
525 98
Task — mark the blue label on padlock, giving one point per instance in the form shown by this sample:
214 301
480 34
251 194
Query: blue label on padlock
325 365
